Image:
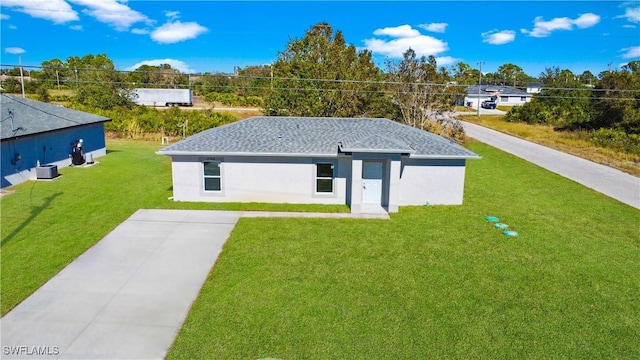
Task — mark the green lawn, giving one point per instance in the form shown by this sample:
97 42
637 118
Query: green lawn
46 225
432 282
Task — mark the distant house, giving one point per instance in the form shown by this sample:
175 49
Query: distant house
368 164
34 133
534 88
4 78
502 95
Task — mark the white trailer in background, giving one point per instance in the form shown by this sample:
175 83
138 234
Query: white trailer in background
163 97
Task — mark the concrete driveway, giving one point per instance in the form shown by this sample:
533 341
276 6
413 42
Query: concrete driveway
127 296
611 182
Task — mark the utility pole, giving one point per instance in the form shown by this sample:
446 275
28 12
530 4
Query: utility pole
58 79
21 75
479 86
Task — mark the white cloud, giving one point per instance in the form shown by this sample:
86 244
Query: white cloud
543 28
446 60
76 27
434 27
629 26
401 31
176 64
495 37
631 52
58 11
12 27
4 17
405 38
586 20
172 15
112 12
139 31
632 14
14 50
173 32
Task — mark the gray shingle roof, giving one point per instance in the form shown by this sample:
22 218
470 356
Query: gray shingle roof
287 136
33 117
489 89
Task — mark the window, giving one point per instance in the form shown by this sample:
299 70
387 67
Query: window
212 176
523 98
324 178
504 99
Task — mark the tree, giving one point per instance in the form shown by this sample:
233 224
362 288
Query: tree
320 75
510 73
254 80
616 100
563 101
421 95
463 74
53 72
161 76
587 78
97 83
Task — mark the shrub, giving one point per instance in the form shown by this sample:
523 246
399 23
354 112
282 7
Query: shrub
616 139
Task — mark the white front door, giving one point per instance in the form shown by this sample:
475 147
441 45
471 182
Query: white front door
372 182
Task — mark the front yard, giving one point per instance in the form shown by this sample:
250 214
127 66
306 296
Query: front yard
432 282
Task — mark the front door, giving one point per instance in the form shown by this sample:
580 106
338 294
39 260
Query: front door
372 182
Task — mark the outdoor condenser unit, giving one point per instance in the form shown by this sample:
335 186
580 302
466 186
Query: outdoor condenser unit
47 171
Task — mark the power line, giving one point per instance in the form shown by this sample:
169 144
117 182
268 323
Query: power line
267 77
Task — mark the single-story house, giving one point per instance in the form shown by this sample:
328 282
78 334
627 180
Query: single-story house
36 133
502 95
534 88
368 164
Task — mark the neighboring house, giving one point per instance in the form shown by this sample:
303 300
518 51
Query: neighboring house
368 164
4 78
502 95
534 88
34 132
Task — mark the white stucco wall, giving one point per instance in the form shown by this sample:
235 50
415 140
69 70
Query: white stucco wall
439 182
259 179
513 100
292 180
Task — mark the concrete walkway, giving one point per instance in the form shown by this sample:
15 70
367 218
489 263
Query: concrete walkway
611 182
128 295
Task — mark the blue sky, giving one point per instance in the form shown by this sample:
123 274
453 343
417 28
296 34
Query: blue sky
215 36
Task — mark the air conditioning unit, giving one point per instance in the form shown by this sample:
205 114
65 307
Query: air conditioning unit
47 171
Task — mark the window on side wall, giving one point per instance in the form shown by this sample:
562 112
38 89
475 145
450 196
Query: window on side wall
212 177
504 99
324 178
523 98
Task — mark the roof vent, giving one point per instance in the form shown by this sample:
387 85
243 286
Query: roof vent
279 136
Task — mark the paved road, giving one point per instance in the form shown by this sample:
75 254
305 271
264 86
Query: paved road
128 295
611 182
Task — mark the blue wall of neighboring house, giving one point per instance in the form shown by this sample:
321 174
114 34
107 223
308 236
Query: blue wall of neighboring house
46 148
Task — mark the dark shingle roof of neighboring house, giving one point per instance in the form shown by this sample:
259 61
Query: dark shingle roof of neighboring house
534 85
22 117
490 89
316 136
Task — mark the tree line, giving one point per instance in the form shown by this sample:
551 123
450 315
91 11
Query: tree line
321 75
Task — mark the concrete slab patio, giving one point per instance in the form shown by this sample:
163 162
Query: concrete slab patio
128 295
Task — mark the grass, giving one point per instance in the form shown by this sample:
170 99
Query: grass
569 142
434 282
46 225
